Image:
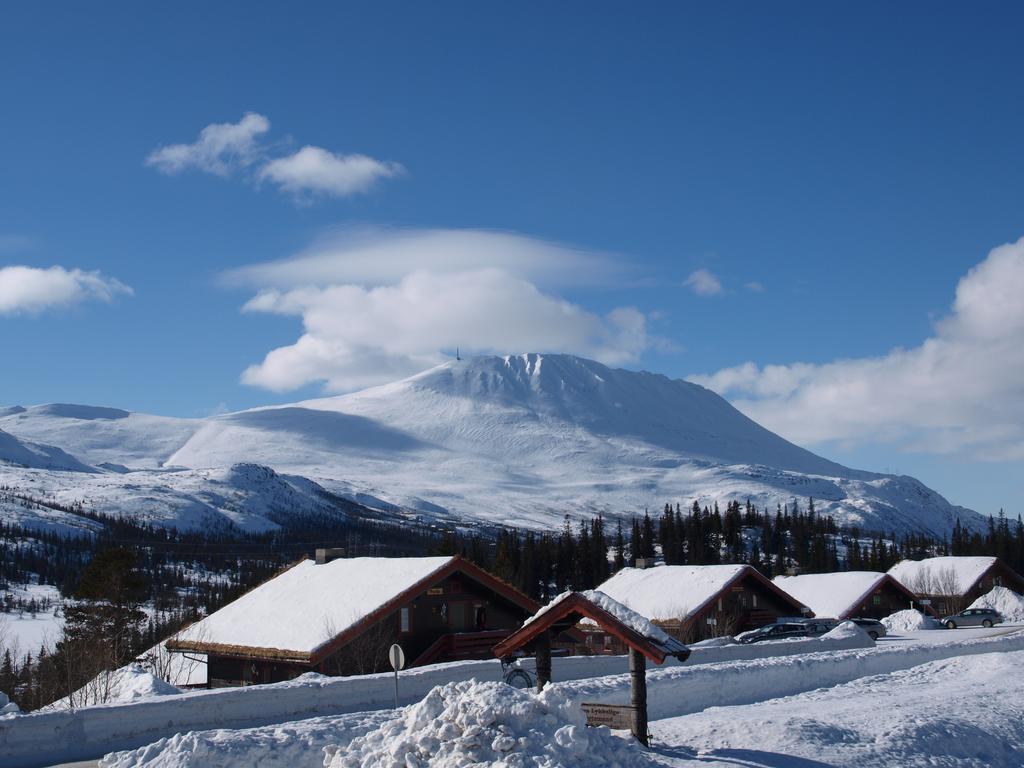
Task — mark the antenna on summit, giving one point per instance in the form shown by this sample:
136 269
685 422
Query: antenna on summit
457 354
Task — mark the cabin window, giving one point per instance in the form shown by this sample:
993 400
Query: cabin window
877 599
403 620
753 600
719 604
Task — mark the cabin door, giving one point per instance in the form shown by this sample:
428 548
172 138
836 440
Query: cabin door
458 616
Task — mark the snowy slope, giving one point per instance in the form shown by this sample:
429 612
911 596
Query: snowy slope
525 438
23 453
250 497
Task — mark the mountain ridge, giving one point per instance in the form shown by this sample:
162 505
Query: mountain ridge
520 437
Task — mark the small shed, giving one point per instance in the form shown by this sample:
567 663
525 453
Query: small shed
954 582
849 594
643 639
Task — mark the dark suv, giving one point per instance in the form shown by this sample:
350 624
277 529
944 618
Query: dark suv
973 617
783 630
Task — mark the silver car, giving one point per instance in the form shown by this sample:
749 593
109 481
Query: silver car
973 617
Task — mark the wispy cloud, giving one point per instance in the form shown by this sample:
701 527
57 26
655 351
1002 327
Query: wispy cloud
31 290
225 149
381 306
704 282
960 391
754 286
221 149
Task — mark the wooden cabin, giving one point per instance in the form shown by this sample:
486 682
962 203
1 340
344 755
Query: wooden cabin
695 602
952 583
340 616
849 594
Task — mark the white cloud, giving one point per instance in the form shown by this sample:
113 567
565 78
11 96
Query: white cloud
367 322
960 391
315 170
226 148
376 256
220 149
754 286
31 290
704 282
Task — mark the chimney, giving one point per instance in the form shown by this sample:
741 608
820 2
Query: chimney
641 562
326 554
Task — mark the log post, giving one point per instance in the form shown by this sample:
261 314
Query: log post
638 691
543 658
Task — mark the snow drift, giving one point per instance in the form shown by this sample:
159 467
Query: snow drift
909 620
1006 601
473 723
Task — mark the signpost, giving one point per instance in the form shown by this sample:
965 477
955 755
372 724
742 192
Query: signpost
397 658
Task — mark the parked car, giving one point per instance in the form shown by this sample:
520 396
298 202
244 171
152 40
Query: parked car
873 627
783 630
973 617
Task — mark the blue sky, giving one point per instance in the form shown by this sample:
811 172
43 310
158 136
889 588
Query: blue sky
834 171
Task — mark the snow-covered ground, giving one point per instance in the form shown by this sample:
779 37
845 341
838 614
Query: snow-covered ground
963 711
494 438
674 690
22 632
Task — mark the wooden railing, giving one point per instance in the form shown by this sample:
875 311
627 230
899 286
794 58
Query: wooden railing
461 645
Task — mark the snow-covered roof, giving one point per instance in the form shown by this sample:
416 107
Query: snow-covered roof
831 595
670 592
639 624
928 576
595 607
308 605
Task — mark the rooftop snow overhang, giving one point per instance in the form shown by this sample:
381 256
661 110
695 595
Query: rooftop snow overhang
572 608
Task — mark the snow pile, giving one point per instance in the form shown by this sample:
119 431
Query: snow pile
7 707
909 620
122 686
1009 604
714 642
472 723
845 631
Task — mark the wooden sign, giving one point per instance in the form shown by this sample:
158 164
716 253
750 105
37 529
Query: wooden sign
618 717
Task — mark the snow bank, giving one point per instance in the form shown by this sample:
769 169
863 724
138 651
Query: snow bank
43 738
1006 601
121 686
909 620
471 723
7 707
963 712
845 631
684 689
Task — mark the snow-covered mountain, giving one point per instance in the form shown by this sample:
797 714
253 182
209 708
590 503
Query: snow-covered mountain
522 440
